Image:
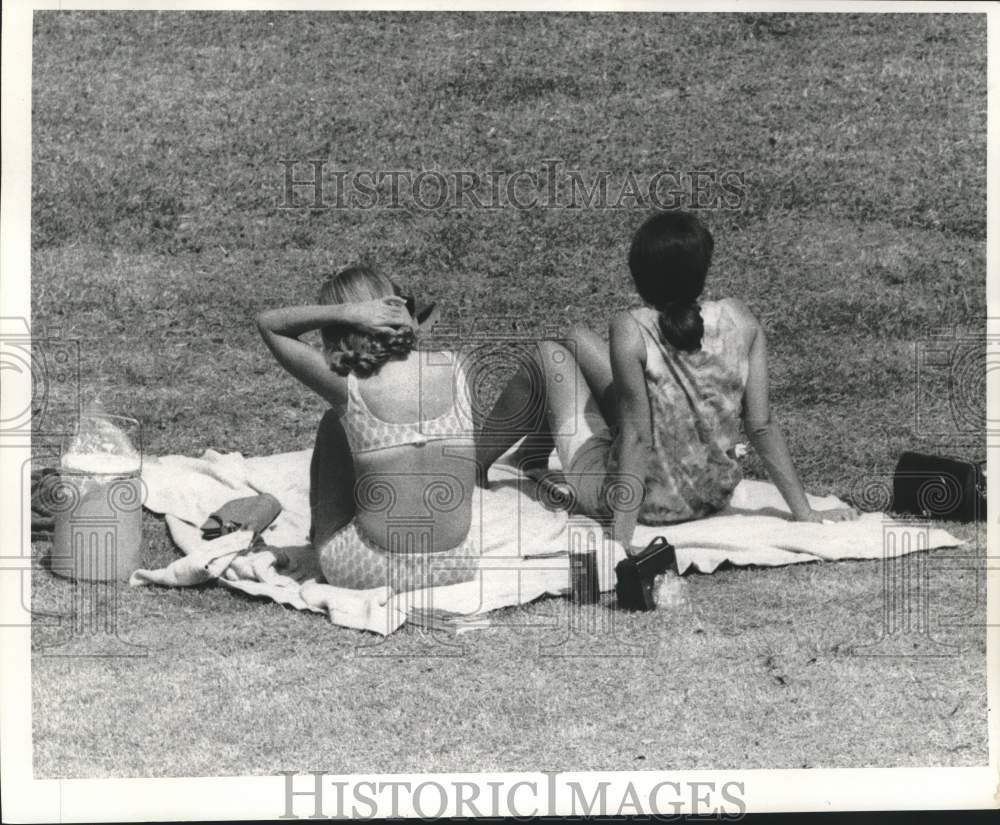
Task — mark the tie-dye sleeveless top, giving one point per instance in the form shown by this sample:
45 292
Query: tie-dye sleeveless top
695 404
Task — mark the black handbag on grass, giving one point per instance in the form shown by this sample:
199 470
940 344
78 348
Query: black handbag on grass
931 486
635 574
253 513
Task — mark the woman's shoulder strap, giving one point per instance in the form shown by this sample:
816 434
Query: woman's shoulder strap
354 398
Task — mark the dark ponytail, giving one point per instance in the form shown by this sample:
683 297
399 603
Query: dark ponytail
682 326
669 259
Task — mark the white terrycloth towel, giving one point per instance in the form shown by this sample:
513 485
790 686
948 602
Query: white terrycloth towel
525 546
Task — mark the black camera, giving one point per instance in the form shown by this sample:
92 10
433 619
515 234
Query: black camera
635 574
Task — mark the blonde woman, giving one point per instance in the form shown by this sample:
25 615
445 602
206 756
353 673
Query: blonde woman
398 511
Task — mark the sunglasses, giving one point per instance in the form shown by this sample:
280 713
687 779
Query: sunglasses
426 314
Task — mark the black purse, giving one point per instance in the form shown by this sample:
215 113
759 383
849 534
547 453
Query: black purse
253 513
931 486
634 575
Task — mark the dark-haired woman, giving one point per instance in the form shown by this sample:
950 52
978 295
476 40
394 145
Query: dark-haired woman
393 471
646 431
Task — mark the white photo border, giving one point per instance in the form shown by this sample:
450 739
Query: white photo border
26 799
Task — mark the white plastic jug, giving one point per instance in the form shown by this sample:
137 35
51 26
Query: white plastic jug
98 502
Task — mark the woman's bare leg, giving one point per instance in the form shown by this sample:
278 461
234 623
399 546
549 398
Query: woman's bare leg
594 358
518 413
572 409
551 402
331 480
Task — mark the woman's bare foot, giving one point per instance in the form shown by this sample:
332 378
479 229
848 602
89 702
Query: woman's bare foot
552 484
557 489
529 457
552 487
526 460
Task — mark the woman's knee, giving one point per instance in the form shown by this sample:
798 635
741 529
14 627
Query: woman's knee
594 357
580 334
589 348
553 355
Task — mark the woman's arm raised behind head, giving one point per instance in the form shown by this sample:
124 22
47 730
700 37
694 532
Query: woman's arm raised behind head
281 328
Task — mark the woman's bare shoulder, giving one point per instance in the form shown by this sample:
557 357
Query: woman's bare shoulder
741 312
438 374
444 364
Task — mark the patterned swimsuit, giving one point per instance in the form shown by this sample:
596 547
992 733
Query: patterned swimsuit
353 560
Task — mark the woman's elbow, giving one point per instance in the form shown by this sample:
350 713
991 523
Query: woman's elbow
757 428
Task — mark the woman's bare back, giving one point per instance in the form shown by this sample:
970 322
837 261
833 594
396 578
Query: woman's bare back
416 496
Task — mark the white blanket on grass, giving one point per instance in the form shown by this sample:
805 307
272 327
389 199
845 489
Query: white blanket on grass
525 546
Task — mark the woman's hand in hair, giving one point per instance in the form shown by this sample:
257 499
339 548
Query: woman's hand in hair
382 315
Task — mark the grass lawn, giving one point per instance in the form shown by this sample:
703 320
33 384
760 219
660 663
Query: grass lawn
158 233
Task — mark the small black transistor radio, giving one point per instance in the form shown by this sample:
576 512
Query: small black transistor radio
636 573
